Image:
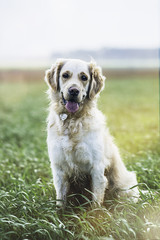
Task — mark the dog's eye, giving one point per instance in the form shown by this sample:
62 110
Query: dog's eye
84 78
65 75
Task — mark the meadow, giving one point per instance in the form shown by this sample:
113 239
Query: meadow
27 194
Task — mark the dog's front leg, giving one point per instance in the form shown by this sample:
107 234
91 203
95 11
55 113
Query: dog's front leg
62 186
99 184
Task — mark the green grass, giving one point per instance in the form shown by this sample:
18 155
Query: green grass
27 195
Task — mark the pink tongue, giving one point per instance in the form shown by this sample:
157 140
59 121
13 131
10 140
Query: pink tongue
72 106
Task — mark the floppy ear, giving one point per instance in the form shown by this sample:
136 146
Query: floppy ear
97 80
52 75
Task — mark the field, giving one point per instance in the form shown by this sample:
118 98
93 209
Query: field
27 195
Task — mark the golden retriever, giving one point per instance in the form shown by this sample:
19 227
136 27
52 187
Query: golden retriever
80 146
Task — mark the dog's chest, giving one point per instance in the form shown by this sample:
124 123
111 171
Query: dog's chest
77 152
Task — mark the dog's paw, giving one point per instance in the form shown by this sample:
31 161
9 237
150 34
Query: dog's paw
60 204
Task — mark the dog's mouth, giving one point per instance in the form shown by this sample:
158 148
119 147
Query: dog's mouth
71 105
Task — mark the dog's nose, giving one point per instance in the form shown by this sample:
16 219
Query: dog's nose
73 91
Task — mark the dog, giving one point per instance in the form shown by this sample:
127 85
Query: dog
82 152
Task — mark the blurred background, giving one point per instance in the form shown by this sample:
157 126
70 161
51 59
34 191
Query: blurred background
118 34
123 36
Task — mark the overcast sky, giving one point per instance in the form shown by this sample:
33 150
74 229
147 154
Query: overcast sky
36 28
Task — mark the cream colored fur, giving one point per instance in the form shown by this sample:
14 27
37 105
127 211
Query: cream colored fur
81 143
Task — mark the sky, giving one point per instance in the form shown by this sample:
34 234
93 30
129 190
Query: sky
37 28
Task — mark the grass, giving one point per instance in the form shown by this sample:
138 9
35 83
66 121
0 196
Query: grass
27 195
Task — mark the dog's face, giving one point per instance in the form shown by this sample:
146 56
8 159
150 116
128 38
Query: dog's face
74 82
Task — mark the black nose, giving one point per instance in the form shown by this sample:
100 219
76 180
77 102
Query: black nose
73 91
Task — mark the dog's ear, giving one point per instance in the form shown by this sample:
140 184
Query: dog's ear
97 80
52 74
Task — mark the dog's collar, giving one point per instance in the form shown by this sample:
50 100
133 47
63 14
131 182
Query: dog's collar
63 116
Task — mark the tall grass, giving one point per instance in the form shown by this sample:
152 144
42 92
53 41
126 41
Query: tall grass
27 195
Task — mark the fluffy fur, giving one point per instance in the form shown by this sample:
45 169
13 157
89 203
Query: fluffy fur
80 147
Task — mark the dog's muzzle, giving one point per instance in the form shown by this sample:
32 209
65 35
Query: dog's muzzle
71 105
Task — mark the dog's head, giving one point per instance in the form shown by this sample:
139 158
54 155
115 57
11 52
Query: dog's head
74 82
